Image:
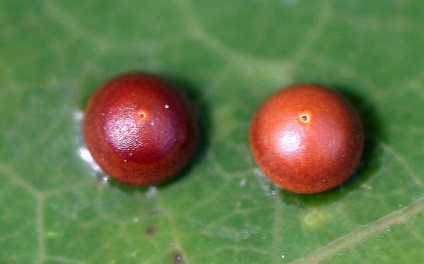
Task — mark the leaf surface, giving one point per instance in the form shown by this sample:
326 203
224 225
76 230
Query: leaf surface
228 56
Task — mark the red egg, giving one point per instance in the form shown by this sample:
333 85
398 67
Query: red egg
307 139
140 130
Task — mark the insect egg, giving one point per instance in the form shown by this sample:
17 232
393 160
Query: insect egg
306 138
140 130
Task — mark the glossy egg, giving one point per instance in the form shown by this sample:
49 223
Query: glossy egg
140 130
307 138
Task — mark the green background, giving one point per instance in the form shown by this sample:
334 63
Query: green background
228 56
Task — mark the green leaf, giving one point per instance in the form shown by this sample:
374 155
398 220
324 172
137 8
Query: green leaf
229 56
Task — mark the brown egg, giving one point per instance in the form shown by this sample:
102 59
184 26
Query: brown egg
306 138
140 130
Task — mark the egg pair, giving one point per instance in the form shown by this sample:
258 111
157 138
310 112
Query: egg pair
142 131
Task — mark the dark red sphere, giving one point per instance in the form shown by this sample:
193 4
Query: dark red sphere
140 130
307 139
